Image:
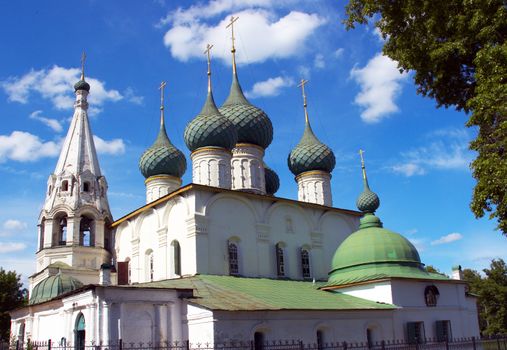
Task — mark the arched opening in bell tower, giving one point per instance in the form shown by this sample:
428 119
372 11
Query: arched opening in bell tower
86 232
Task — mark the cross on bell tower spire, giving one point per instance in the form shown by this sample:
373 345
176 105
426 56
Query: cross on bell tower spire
207 53
83 59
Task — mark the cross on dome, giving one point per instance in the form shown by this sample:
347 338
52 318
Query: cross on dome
233 49
302 86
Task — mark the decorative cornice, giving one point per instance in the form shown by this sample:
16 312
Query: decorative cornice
312 173
162 177
210 149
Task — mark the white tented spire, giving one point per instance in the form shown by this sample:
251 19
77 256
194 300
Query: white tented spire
78 153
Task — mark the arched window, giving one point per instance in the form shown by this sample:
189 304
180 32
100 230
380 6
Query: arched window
61 235
42 227
258 341
176 252
21 334
305 263
320 339
150 265
65 185
86 232
86 186
233 258
79 332
280 262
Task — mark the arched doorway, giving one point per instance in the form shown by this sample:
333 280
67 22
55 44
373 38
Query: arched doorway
79 333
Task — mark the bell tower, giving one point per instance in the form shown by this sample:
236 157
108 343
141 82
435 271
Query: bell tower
73 224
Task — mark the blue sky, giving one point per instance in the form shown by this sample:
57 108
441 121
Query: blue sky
417 157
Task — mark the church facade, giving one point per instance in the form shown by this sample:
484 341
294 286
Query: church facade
223 258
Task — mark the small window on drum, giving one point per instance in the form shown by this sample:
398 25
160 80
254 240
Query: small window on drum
86 187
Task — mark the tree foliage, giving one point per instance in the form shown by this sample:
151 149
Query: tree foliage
492 296
458 54
12 295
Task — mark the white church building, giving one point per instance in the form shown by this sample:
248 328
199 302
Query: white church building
224 259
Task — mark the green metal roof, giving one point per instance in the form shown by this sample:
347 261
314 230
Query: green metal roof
373 253
252 124
210 128
53 286
310 154
162 158
230 293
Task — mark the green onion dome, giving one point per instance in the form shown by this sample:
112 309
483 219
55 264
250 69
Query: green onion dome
210 129
272 180
81 85
252 124
53 286
162 158
310 154
368 201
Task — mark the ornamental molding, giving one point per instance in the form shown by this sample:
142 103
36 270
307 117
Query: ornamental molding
316 238
263 231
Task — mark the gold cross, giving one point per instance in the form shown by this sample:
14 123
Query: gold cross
361 152
83 59
161 88
302 86
207 52
231 24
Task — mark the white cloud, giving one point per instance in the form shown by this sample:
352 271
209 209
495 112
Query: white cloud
56 84
409 169
270 87
23 146
268 35
213 8
14 225
52 123
10 247
447 149
339 52
378 34
451 237
113 147
380 82
319 62
130 96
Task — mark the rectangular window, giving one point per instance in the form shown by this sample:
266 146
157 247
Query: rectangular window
305 263
233 259
415 332
444 332
280 264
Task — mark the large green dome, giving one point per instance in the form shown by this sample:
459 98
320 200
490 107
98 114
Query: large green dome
373 253
210 129
310 154
272 180
53 286
252 124
162 158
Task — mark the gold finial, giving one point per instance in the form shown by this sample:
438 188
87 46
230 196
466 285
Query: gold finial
161 88
363 168
233 50
207 52
83 59
302 86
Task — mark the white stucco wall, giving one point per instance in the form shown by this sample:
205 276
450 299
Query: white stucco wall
203 221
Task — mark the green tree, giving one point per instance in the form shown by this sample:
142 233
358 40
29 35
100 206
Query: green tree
458 54
12 295
492 296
